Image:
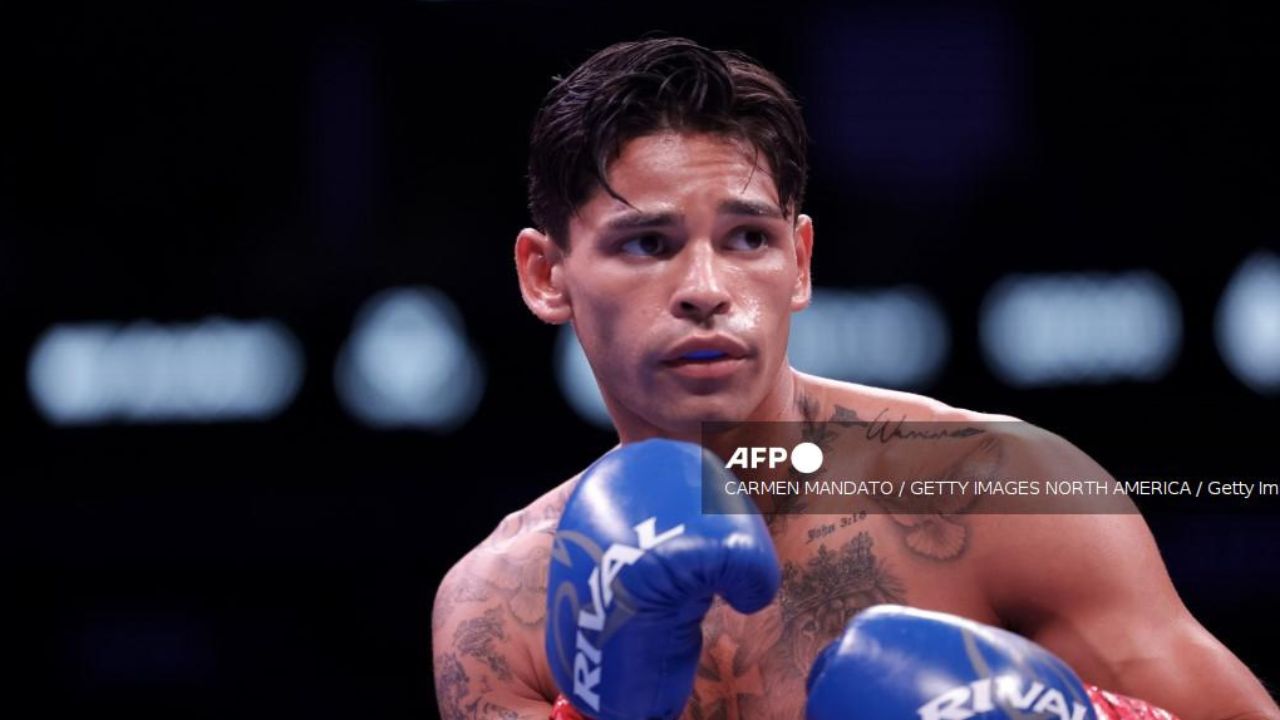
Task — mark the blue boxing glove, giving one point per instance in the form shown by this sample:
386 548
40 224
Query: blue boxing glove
634 567
895 663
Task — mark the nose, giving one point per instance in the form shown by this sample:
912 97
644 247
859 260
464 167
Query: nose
701 294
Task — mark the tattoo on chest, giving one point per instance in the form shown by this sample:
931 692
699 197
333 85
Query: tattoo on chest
936 537
825 529
938 531
755 666
819 597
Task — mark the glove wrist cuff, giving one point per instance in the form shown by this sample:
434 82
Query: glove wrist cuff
563 710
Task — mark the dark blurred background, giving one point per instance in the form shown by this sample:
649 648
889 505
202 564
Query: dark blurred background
267 372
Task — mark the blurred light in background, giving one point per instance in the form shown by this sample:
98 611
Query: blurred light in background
1247 325
1080 328
577 382
408 363
213 370
894 337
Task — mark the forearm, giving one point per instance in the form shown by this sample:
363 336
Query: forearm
465 690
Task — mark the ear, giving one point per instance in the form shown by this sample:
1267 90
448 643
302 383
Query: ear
803 289
540 268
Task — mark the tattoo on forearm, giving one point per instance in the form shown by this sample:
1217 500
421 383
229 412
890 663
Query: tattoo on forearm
453 694
452 685
475 638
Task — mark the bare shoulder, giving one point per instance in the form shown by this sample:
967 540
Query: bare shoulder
509 565
828 399
1022 446
1046 555
1010 524
915 435
488 616
1037 556
538 518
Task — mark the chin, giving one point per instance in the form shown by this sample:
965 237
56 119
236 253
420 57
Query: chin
692 412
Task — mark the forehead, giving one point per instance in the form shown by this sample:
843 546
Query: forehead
675 167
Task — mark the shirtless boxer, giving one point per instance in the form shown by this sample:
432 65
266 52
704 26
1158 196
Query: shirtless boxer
666 182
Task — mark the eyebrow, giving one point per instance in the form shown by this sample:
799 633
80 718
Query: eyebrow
754 208
638 219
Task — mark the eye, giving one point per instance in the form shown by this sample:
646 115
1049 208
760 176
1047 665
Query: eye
748 239
645 245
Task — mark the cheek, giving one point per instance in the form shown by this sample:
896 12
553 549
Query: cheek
618 299
766 305
612 323
593 296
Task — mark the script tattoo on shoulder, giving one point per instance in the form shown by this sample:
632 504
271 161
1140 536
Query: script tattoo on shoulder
887 429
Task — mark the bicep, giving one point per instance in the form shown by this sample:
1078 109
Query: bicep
1177 665
1107 607
480 656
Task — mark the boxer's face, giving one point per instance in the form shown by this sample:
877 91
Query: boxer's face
682 300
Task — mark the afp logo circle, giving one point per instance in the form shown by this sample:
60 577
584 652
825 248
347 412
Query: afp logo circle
805 457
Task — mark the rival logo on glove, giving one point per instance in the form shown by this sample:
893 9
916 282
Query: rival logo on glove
587 660
1004 691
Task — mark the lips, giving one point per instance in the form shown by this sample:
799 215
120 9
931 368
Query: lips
704 355
705 358
711 348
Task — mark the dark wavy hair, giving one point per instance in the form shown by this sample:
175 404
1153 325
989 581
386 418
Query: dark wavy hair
636 88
